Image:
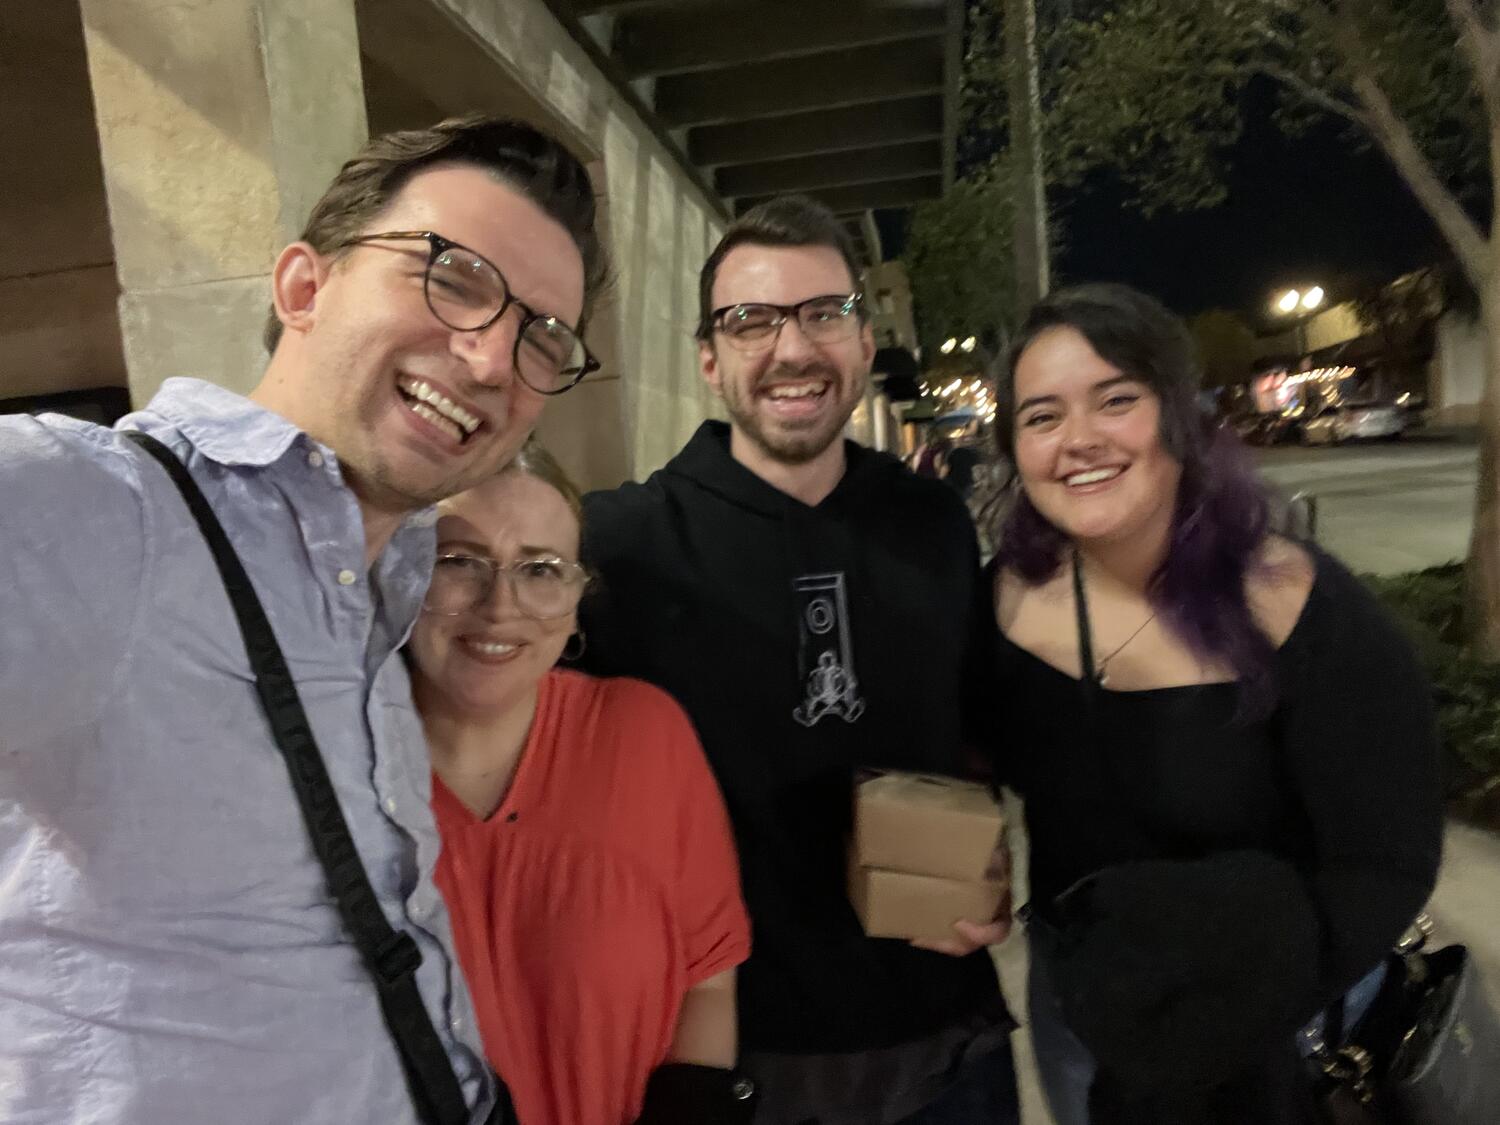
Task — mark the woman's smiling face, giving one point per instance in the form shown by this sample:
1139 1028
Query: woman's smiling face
1088 444
491 656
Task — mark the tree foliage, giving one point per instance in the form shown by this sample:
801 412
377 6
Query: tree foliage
1154 89
958 257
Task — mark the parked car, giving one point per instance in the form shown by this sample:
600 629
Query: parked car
1414 406
1263 429
1355 421
1321 428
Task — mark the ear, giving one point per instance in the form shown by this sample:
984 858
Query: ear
300 272
867 344
708 364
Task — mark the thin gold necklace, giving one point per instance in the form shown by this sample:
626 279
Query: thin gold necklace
1101 677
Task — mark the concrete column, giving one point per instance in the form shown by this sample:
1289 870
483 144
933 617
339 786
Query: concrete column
220 123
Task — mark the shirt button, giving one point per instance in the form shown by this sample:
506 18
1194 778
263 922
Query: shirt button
742 1089
458 1026
347 578
390 802
315 459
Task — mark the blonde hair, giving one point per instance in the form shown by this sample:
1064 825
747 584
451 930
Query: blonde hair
535 461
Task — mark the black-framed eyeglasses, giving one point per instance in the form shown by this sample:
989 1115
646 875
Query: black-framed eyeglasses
468 293
544 587
830 319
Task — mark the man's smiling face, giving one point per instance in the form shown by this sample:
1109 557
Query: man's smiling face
416 410
791 397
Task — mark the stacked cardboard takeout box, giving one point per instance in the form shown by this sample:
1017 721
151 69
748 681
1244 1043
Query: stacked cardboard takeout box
923 855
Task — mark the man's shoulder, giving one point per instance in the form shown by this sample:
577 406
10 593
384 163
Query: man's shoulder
921 502
65 464
618 520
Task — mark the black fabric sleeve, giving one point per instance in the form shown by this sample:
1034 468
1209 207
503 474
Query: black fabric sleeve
602 614
1361 743
981 697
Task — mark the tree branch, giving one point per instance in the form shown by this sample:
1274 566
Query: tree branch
1481 46
1393 135
1320 98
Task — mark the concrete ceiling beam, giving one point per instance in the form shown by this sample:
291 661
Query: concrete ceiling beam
686 40
859 166
773 89
827 130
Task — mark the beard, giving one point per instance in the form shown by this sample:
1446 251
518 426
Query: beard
794 441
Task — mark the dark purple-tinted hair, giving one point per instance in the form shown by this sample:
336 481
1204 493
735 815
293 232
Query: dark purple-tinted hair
1223 510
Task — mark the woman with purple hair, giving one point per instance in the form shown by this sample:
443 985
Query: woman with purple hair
1226 749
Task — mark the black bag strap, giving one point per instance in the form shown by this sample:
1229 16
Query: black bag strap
391 956
1090 680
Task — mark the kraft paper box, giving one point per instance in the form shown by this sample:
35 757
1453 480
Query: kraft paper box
925 825
893 904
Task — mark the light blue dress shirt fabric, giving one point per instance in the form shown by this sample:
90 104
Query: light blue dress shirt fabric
168 950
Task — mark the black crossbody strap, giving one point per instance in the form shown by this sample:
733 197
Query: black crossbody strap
1085 632
391 956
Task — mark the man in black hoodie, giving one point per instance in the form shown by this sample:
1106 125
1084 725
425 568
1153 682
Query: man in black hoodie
816 608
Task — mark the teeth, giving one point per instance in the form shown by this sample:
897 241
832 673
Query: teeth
803 390
492 648
422 410
425 392
1094 476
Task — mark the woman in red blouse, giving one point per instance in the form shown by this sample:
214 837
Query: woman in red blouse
587 859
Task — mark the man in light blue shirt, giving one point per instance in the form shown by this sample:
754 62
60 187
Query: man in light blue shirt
169 951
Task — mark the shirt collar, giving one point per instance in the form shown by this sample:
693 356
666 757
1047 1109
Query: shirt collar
232 430
224 426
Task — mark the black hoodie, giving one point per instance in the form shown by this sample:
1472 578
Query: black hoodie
804 642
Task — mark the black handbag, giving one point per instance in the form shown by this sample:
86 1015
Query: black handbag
1426 1053
390 956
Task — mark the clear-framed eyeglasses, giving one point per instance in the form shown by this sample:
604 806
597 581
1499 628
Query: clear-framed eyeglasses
544 587
468 293
830 319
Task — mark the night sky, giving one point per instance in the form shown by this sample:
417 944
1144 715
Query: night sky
1309 210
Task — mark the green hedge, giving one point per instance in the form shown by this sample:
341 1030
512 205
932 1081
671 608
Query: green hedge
1430 603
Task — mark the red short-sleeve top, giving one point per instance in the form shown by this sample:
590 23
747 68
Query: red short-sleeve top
602 889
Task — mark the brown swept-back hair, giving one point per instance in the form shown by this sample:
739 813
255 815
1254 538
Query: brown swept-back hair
516 154
787 220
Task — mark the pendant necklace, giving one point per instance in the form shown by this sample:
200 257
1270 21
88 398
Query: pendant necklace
1101 676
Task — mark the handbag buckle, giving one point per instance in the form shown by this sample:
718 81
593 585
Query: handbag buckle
1350 1066
1416 935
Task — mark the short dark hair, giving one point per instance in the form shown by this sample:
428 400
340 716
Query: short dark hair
518 155
786 220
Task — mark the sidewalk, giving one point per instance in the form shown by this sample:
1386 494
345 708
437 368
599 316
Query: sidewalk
1466 904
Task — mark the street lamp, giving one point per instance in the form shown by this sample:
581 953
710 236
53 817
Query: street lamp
948 345
1300 303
